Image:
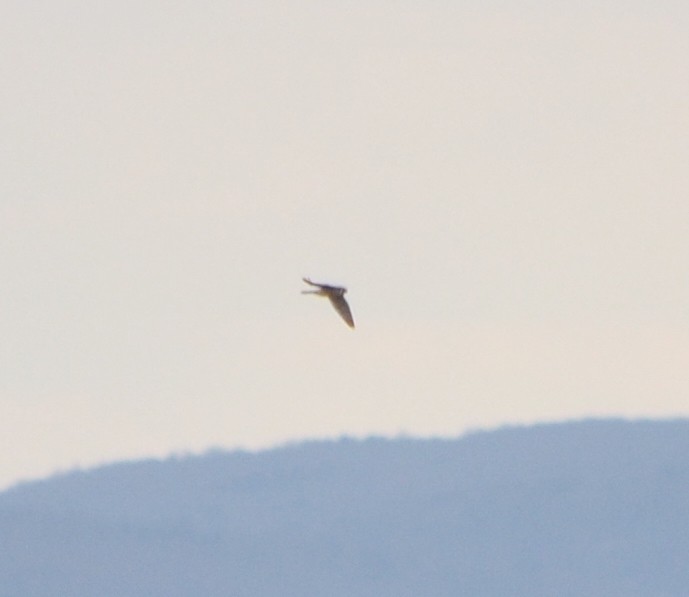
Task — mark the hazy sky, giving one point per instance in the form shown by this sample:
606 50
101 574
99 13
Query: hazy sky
502 186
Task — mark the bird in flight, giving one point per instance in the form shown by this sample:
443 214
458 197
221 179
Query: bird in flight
336 296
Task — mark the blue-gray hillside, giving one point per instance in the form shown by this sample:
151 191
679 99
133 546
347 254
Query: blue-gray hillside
595 508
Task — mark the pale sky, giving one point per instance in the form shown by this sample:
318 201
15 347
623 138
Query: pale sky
502 186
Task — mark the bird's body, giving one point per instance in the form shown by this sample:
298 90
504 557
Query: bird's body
336 296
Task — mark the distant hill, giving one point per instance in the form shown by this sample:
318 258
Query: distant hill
592 508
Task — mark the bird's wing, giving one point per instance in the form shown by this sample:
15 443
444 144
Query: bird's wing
322 286
343 309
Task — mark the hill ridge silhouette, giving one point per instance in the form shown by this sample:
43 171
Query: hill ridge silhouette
595 507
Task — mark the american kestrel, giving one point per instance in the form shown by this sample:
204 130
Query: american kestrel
336 296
